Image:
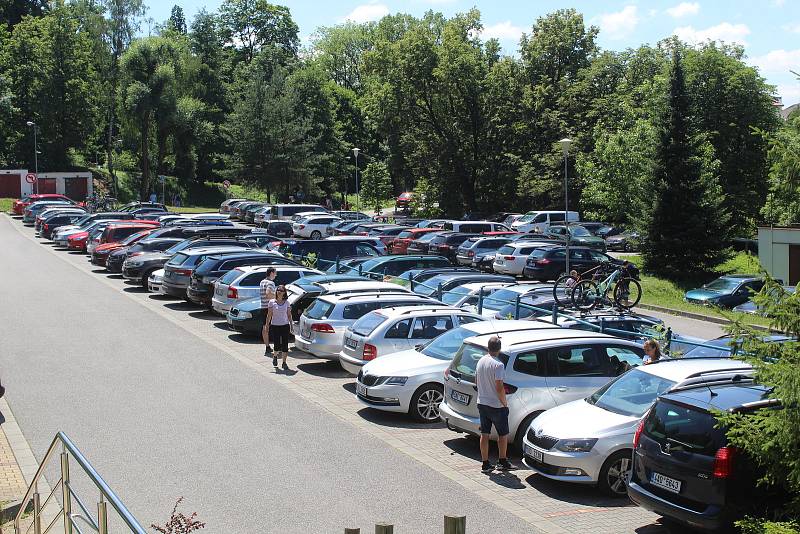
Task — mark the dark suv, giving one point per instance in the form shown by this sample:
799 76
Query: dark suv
683 467
548 263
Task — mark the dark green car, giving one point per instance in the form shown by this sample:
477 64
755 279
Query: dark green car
578 236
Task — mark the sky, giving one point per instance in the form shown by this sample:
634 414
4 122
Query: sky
768 29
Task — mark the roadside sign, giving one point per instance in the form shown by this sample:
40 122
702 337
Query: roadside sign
226 184
30 178
162 178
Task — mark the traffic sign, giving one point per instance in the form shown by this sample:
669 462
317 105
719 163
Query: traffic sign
162 178
30 178
226 184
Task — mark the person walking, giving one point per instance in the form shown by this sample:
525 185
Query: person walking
279 317
492 404
652 351
153 197
267 292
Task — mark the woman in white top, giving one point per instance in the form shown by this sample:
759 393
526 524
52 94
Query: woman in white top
279 317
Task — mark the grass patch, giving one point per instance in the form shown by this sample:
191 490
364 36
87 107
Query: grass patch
193 209
5 204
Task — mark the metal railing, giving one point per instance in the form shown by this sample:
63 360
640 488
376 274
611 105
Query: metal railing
72 521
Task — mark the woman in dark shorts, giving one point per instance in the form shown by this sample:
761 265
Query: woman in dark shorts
279 317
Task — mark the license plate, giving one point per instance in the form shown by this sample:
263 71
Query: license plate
499 262
457 396
669 484
230 321
361 389
352 343
533 453
218 291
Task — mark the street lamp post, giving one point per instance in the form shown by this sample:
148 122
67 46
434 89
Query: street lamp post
358 190
35 156
565 143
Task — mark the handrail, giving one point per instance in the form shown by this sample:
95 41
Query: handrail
107 495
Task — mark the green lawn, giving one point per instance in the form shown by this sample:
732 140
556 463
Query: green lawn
193 209
5 204
669 294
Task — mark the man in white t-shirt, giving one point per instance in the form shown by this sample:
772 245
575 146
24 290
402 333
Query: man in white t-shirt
492 404
267 293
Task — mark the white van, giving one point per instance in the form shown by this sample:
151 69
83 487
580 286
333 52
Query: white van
539 221
474 227
285 212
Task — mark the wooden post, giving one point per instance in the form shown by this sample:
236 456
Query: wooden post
352 531
455 524
384 528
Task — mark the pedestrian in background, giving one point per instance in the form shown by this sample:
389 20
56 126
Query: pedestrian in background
267 292
652 351
153 197
492 404
279 316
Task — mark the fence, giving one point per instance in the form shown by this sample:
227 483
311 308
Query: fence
452 525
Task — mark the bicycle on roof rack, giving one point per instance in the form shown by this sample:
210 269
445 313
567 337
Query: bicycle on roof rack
587 294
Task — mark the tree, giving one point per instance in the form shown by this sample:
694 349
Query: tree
13 11
250 25
686 225
177 20
783 200
376 185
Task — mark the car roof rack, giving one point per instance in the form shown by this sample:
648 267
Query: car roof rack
714 378
384 294
433 308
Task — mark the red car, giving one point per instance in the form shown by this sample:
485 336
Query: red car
101 252
401 242
403 202
18 207
77 241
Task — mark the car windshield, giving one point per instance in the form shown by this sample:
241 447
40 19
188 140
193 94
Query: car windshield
445 346
499 299
133 237
722 285
630 394
455 295
579 231
178 259
526 218
368 323
431 285
430 236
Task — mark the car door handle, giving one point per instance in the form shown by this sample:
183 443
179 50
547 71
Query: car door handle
561 389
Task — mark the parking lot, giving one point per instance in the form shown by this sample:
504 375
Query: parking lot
186 390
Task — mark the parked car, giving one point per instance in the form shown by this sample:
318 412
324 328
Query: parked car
506 296
348 265
325 252
590 441
117 231
431 223
225 207
178 269
683 467
412 380
726 291
56 221
578 236
467 296
249 215
422 244
479 251
322 326
727 346
50 212
539 221
243 283
133 206
511 257
389 330
282 229
117 257
752 308
350 215
403 240
285 212
403 201
384 266
544 368
34 209
548 263
101 253
474 227
83 223
313 226
209 270
447 245
154 281
446 281
623 242
538 304
374 242
18 206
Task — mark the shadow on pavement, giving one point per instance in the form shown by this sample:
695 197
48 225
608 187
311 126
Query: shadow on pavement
114 276
507 479
180 305
663 527
135 289
206 315
391 419
99 271
328 369
160 297
575 493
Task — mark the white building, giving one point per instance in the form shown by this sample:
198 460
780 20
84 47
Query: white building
779 252
75 185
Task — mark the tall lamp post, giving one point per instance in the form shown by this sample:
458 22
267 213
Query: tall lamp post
565 143
358 190
32 124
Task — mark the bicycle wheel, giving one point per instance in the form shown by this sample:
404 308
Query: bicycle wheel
627 293
585 295
562 291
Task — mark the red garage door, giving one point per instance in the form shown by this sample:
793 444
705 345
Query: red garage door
76 188
47 186
9 186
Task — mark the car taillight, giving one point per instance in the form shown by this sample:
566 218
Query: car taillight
447 374
470 254
276 243
183 272
509 257
233 293
130 255
638 433
46 226
322 328
723 462
509 389
444 247
543 261
301 226
370 352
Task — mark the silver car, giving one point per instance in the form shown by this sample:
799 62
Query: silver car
389 330
243 283
544 368
321 328
590 441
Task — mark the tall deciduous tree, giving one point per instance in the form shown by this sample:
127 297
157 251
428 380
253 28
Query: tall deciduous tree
250 25
376 185
687 226
783 200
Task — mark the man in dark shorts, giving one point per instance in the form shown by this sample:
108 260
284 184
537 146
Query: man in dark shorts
492 404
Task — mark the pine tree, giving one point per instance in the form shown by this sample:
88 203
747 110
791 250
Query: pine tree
686 225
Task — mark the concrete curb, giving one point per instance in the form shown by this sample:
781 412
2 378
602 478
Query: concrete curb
696 316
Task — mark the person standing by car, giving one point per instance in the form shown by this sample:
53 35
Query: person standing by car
492 404
652 351
279 315
267 292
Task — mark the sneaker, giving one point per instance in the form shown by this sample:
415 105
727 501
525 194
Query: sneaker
275 361
487 467
286 367
268 350
504 464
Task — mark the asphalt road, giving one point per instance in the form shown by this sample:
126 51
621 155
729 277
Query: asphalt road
162 413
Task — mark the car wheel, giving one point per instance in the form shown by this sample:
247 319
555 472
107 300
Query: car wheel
615 473
624 247
425 403
316 234
522 429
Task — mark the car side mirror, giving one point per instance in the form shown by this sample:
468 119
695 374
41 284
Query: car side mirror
419 346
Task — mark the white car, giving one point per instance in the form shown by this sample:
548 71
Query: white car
155 282
243 283
511 258
466 296
410 381
590 441
501 297
313 226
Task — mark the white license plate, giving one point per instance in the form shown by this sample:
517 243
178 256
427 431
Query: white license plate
457 396
230 321
534 453
361 389
499 262
350 342
669 484
218 291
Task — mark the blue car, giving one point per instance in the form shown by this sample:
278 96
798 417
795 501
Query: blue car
750 306
726 291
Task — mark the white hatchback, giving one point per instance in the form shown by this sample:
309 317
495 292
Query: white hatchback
511 258
313 226
243 283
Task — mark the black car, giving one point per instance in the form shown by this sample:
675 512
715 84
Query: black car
448 245
325 252
201 282
422 244
347 265
282 229
55 221
384 266
548 263
131 206
683 467
149 244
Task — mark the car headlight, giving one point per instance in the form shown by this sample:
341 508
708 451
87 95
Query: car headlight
245 315
134 263
397 380
575 445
